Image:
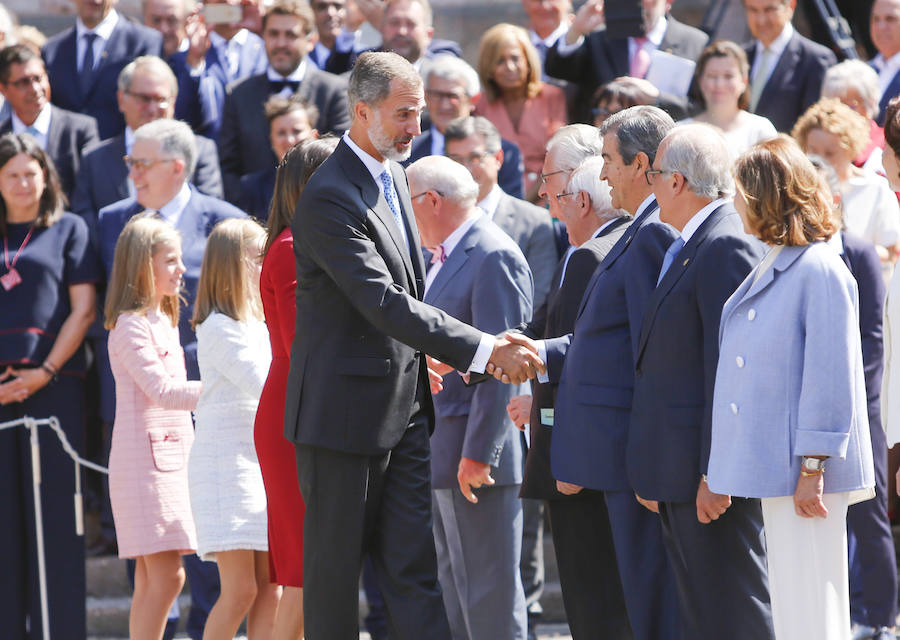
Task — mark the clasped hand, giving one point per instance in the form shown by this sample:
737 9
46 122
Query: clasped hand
514 359
17 385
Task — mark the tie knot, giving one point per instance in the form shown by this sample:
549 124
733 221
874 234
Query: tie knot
641 41
439 255
90 36
676 246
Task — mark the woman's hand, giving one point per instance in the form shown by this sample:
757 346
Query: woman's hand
808 496
21 384
519 410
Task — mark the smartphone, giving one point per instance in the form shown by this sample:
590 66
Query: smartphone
625 18
222 13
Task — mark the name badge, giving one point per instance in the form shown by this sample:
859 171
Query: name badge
547 417
10 279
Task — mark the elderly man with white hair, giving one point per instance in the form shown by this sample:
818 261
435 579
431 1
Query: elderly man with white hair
480 276
714 542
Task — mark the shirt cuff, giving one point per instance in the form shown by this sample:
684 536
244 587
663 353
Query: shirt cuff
565 50
482 354
543 378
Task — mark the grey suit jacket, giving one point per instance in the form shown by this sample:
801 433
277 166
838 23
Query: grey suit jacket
532 229
486 283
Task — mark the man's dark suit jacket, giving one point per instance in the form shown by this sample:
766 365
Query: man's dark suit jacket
128 41
510 177
256 193
556 317
795 83
103 178
602 58
358 355
244 145
342 61
70 133
676 359
892 91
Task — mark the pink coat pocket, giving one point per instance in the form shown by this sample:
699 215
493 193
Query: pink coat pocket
168 449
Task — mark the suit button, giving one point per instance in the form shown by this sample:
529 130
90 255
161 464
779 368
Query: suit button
734 408
740 362
751 315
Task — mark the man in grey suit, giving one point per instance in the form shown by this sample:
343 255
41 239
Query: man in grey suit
477 275
475 143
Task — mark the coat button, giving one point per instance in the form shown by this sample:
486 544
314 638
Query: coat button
734 408
740 362
751 315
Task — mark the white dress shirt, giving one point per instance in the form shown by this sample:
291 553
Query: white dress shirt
777 48
699 218
887 69
40 126
103 30
172 210
449 245
491 201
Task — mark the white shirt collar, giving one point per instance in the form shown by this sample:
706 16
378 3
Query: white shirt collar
644 205
104 29
297 74
437 142
41 123
375 168
322 54
699 218
449 243
779 44
173 209
836 242
129 139
491 201
237 40
887 69
658 32
550 40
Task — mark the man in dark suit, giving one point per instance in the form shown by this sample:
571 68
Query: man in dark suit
84 61
146 92
359 411
478 276
475 143
786 69
451 86
715 543
885 29
62 134
591 58
244 140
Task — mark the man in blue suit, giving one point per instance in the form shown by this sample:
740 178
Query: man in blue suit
478 275
160 162
715 543
84 61
885 29
786 69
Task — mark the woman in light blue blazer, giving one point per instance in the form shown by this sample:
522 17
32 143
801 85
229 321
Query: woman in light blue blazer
790 419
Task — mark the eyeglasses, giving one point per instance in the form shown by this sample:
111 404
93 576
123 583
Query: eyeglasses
649 174
472 158
149 101
142 165
419 195
544 176
560 196
437 96
27 82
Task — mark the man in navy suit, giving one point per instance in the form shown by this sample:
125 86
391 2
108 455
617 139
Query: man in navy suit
160 162
591 58
288 31
146 92
715 543
84 61
62 134
451 85
885 30
786 69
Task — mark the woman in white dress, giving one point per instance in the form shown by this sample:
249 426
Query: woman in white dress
722 75
228 499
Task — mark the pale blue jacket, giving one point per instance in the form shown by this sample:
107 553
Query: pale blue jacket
790 379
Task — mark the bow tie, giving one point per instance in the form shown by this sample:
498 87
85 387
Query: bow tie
439 255
277 86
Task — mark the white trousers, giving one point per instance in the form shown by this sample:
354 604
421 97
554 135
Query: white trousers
808 579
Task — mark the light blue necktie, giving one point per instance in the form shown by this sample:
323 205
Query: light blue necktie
388 184
672 251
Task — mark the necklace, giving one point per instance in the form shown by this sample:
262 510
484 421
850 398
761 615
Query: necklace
11 278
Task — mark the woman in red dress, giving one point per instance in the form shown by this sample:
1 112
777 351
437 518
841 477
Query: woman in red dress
276 455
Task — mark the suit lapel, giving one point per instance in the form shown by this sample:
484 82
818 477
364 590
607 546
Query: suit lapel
55 133
786 66
458 257
411 257
110 49
114 167
6 125
308 84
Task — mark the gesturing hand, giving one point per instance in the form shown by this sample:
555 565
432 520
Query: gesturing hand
710 505
198 38
514 359
589 18
808 497
435 380
473 475
519 410
437 366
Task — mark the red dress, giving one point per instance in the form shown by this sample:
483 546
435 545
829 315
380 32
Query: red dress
276 454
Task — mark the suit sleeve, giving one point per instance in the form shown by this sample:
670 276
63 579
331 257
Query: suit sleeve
207 176
815 76
82 202
722 268
572 67
542 258
335 116
501 297
330 230
870 282
579 271
229 148
511 175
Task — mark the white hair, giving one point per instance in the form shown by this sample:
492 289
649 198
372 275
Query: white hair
453 69
853 74
586 177
699 153
573 144
450 179
175 138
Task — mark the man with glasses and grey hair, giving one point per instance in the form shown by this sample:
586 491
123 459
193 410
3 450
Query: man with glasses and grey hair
715 542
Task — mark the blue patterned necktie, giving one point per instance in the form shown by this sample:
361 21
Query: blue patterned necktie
672 251
388 184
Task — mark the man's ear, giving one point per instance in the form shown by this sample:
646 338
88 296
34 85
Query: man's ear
362 111
499 156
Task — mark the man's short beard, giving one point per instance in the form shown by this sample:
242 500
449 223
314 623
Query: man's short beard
383 143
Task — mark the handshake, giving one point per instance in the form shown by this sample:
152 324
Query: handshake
514 360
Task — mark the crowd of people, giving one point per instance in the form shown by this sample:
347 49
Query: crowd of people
334 304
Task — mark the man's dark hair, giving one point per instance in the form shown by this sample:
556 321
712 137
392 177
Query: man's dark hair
15 54
638 129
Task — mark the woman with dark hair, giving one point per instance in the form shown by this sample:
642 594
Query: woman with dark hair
722 76
277 284
47 302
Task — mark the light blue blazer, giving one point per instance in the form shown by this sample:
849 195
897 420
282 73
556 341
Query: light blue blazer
790 380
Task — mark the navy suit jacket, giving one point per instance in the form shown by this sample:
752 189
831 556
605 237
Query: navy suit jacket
256 193
127 41
677 355
201 214
795 83
510 177
201 97
342 61
892 91
244 145
594 365
103 178
70 133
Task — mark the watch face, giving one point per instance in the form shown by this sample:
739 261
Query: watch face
813 464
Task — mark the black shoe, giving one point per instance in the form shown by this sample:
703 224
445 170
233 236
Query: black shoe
103 546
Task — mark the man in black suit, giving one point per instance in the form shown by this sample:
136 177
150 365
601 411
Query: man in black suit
786 69
84 61
288 32
359 409
715 543
62 134
591 58
147 91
